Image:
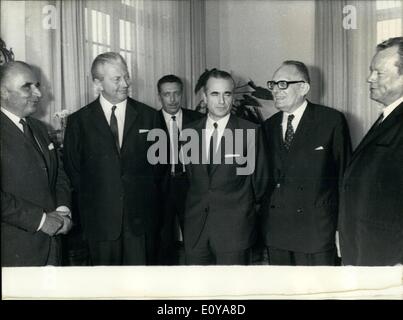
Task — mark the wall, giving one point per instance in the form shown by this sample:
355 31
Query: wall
252 38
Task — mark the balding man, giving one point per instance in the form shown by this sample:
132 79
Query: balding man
308 147
105 151
371 211
35 192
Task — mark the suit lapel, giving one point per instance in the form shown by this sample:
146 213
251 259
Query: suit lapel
130 118
377 131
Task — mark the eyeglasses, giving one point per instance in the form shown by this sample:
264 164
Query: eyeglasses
282 84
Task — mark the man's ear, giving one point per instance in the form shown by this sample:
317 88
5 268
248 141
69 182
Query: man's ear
3 93
305 88
204 96
98 85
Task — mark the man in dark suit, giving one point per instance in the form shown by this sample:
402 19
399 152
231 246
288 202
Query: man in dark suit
220 215
308 149
371 211
105 150
174 184
35 192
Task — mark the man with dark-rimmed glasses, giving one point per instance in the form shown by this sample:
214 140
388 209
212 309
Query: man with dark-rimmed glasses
308 149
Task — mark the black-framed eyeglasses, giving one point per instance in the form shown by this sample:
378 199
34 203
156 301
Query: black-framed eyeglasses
282 84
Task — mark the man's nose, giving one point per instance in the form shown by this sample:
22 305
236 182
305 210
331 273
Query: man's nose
172 98
125 82
221 98
371 77
36 91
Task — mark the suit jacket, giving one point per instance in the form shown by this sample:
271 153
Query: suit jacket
30 185
300 209
371 211
226 199
110 185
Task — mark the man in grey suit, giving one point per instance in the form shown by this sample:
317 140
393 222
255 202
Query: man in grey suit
35 192
220 211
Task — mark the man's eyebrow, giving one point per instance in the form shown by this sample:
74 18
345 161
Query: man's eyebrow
29 84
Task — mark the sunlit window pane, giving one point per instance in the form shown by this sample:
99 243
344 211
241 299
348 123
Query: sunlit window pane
381 5
388 28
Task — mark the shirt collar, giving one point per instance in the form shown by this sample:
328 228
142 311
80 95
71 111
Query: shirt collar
389 109
299 111
107 105
168 116
15 119
222 123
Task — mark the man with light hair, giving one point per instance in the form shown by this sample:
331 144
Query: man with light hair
105 151
371 211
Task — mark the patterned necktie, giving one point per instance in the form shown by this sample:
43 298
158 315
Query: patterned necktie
212 147
289 133
28 133
114 128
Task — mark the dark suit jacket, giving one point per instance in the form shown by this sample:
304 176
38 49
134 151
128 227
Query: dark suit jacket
371 211
112 185
300 209
30 186
226 199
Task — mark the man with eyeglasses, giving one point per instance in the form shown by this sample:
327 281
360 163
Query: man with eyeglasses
105 152
308 149
371 207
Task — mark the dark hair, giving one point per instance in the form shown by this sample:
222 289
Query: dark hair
301 68
107 57
393 42
218 74
169 79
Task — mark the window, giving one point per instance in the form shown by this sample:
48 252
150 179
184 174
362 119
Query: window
389 19
108 28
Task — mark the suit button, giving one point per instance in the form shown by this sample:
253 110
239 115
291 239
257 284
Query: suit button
206 210
300 188
278 185
300 210
272 206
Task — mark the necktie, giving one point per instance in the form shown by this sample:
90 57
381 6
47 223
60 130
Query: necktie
289 133
212 147
114 128
28 133
379 120
174 138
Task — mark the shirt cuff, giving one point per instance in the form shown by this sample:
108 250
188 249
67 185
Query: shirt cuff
42 221
65 209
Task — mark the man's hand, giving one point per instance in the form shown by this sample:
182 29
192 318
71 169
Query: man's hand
53 222
68 223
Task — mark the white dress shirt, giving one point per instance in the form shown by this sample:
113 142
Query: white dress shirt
221 124
120 113
297 117
389 109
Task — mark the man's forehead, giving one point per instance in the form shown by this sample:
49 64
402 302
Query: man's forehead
286 72
386 56
219 84
22 75
170 86
114 67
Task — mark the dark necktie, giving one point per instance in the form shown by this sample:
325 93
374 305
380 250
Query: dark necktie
379 120
114 128
28 133
289 133
212 147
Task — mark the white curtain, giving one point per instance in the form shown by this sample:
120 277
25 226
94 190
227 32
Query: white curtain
156 37
343 56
